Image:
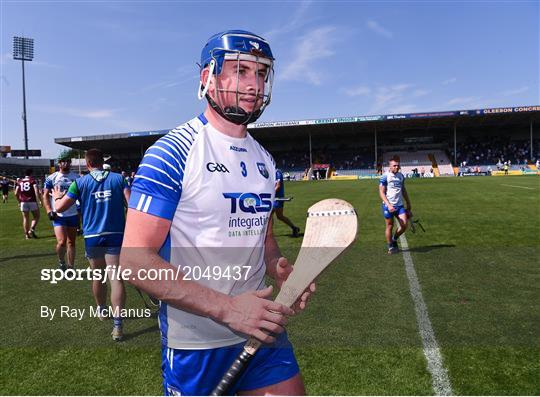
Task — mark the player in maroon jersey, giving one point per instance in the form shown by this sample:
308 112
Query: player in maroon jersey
27 194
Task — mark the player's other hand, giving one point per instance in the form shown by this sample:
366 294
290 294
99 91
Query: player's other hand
390 207
57 192
283 270
253 314
52 215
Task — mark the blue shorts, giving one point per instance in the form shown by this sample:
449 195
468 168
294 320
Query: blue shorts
197 372
398 210
68 221
97 247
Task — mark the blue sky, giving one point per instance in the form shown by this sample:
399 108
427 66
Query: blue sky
103 66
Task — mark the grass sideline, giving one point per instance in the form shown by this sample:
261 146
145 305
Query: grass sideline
477 265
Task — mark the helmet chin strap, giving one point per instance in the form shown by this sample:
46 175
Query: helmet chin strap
234 114
203 88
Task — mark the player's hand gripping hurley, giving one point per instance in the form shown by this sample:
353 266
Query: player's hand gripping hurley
330 228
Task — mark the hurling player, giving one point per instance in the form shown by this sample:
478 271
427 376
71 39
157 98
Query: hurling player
65 224
392 192
27 195
279 204
202 201
102 195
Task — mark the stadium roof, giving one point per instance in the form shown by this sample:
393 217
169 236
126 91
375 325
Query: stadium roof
296 128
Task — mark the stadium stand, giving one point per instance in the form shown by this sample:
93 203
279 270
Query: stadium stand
13 168
489 154
357 146
292 161
361 158
493 150
421 162
441 163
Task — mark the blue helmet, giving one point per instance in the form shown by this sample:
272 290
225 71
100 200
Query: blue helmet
236 45
233 41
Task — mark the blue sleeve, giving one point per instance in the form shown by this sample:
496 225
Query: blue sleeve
383 181
73 191
157 186
48 182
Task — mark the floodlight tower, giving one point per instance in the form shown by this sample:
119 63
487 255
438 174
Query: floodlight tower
23 50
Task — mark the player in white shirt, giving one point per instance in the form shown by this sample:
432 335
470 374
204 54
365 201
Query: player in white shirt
201 202
392 192
66 223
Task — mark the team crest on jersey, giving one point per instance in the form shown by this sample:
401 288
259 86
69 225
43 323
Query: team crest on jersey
262 170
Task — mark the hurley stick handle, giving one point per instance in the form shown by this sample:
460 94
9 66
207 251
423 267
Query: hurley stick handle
234 372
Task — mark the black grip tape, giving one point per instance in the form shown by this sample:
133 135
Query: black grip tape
232 374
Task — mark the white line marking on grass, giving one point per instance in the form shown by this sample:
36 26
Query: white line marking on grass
439 375
522 187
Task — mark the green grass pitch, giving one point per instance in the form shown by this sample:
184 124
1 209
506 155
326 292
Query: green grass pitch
478 265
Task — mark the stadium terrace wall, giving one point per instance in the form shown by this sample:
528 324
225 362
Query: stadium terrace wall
15 168
375 133
405 116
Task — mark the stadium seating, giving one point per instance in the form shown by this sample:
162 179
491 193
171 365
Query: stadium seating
423 161
340 160
443 163
358 161
494 150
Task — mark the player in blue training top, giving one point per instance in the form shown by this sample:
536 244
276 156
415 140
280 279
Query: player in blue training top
278 204
66 223
103 196
392 192
201 207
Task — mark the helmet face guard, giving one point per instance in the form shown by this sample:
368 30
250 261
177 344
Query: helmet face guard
236 46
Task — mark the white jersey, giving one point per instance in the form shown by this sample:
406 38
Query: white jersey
218 192
64 181
394 186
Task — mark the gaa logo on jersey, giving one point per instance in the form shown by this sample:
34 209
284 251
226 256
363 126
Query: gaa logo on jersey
250 202
216 167
262 169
